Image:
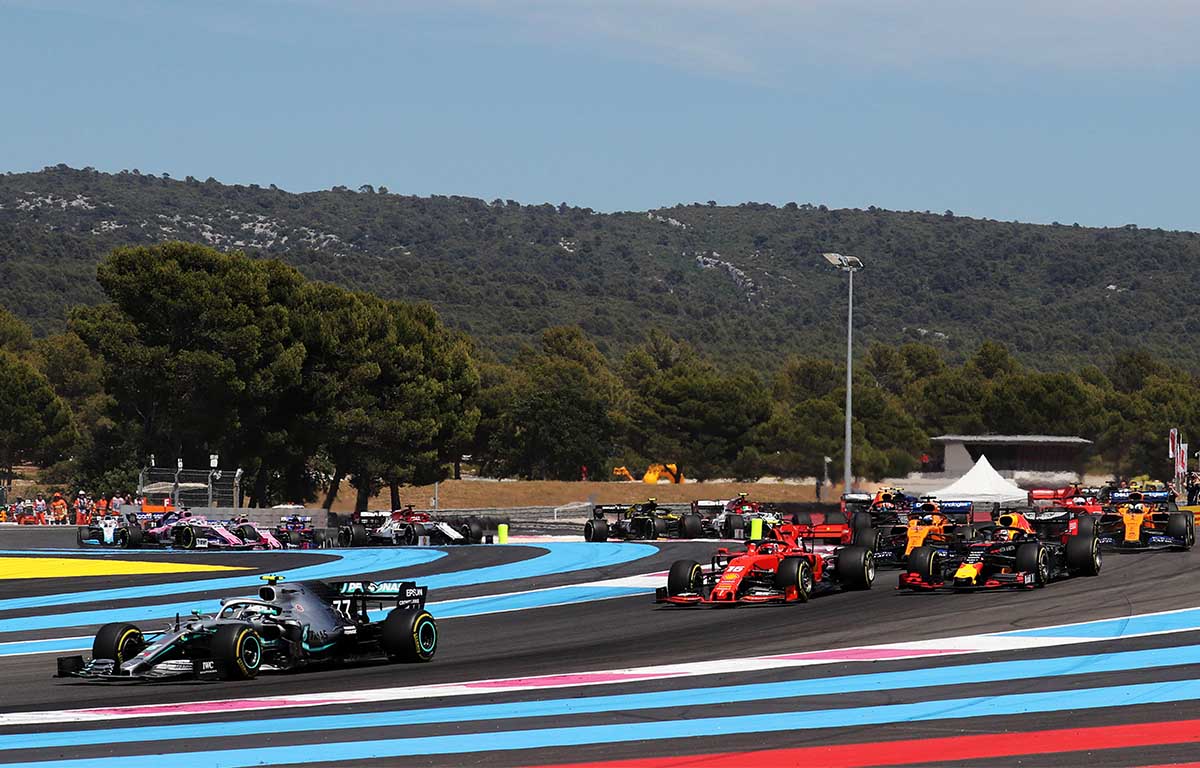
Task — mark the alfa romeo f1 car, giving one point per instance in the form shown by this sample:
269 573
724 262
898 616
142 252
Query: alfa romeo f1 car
406 527
1145 520
1022 550
288 625
789 567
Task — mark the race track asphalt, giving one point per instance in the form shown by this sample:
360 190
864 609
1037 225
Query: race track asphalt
729 700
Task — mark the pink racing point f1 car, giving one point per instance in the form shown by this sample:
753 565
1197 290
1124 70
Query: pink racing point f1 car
188 531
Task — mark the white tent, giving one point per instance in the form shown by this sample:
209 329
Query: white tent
982 484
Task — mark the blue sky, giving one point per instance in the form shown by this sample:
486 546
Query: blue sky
1073 111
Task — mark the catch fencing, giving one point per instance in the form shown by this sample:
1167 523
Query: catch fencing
190 487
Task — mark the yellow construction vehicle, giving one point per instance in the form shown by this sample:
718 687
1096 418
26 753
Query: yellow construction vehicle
670 472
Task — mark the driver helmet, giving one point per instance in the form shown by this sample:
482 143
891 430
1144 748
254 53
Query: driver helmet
1003 534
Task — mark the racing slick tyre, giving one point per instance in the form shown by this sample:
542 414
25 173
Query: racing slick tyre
185 537
119 642
132 538
860 521
81 533
473 531
685 576
1083 555
1179 526
328 538
690 527
641 528
295 539
923 562
795 572
661 528
866 537
417 531
733 526
409 635
856 566
353 535
237 651
1033 558
595 530
1086 526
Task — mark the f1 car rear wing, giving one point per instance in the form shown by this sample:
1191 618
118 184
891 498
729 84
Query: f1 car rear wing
296 518
600 510
1147 497
407 594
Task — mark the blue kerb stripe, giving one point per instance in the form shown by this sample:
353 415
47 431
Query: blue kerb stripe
924 678
1133 625
973 707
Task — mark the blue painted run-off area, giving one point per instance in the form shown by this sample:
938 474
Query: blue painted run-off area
559 557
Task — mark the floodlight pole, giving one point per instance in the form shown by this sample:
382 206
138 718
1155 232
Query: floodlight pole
849 264
849 378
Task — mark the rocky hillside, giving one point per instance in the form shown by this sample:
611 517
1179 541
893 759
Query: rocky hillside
745 282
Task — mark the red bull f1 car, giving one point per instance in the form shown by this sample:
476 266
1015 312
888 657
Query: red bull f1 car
1022 550
791 566
287 625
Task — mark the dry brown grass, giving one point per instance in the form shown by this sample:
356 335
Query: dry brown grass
501 494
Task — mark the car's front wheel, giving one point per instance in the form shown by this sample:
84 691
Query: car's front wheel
119 642
237 651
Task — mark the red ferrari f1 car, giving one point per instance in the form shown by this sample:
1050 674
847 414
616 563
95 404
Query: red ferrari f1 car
795 563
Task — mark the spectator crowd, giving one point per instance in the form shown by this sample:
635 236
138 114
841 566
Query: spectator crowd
58 510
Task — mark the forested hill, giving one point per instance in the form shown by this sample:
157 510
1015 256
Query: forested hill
744 282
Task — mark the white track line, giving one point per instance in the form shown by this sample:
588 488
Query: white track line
937 648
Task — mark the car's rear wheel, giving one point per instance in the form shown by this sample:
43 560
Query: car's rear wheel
1083 555
661 528
409 635
295 538
133 537
690 527
119 642
473 531
923 562
1033 558
357 535
237 651
685 576
595 529
1085 525
185 537
856 566
733 526
795 572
